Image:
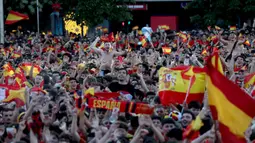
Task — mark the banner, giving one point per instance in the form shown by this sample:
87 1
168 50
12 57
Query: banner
124 106
174 83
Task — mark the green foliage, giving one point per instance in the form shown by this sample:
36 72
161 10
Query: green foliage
25 6
93 12
208 12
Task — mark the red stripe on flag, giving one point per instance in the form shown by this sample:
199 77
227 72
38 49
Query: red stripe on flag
167 97
228 136
227 87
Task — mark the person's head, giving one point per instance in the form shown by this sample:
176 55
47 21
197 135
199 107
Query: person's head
194 107
53 137
73 83
187 117
156 120
107 123
168 124
56 75
122 75
7 116
174 135
239 61
121 131
67 57
107 46
159 111
65 138
101 113
38 80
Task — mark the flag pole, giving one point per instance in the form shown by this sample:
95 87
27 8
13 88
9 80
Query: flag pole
187 94
1 21
38 19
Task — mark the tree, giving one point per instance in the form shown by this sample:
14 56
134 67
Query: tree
25 6
93 12
220 12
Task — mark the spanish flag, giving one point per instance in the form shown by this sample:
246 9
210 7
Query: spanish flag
232 28
249 80
166 50
8 70
192 131
14 17
174 84
117 37
14 94
247 43
16 55
217 28
164 27
135 28
27 67
105 30
231 106
143 41
204 52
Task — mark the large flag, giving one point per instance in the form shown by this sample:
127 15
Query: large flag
27 67
8 70
12 93
166 50
174 84
14 17
249 80
230 105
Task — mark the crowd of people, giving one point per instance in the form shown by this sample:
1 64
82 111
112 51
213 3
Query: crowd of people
63 73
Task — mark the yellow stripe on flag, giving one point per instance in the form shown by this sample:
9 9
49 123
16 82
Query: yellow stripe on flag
228 114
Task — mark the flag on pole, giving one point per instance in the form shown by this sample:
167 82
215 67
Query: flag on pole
14 17
27 67
12 93
232 28
8 70
166 50
174 84
230 105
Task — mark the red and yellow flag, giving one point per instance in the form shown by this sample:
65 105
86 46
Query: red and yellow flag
249 80
230 105
247 43
204 52
143 41
166 50
14 94
174 84
27 67
117 37
16 55
232 28
8 70
135 28
14 17
164 27
217 28
192 131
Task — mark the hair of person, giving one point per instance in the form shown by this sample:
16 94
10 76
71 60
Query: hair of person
189 112
72 78
175 133
168 121
156 118
194 104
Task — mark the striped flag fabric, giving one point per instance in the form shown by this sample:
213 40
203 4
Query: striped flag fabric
230 105
232 28
8 70
166 50
16 55
247 43
174 84
164 27
12 93
14 17
249 80
143 41
27 67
